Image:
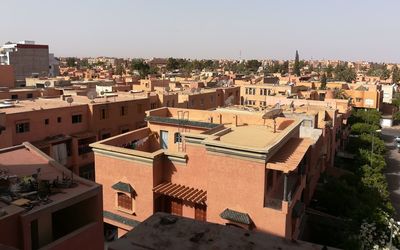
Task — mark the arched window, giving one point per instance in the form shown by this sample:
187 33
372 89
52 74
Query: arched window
177 137
124 201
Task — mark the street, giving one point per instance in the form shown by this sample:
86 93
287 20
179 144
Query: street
392 171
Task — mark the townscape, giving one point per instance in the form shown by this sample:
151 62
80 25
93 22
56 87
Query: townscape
118 153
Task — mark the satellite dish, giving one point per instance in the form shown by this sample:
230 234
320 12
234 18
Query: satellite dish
47 84
102 92
70 100
91 95
228 101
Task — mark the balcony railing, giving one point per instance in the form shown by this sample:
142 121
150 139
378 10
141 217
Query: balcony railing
273 203
275 198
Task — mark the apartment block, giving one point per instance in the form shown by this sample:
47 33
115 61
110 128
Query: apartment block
44 206
256 95
202 165
27 59
64 126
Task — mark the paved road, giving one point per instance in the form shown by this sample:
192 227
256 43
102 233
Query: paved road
392 171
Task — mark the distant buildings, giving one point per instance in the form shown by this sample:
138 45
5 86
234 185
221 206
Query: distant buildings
43 205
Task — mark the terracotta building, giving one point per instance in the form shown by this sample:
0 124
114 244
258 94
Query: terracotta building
64 130
365 95
43 205
7 77
248 169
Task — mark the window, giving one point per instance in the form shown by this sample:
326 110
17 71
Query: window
14 97
263 91
263 103
202 102
46 121
139 108
76 118
103 114
212 99
270 180
200 212
22 127
251 102
167 103
124 201
59 119
358 99
192 102
105 136
124 130
250 91
30 95
87 172
177 137
124 110
153 105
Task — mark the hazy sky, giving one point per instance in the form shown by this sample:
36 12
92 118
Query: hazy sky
319 29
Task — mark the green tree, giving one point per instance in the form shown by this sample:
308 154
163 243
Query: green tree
142 67
119 69
71 62
172 64
253 65
369 116
345 73
363 128
323 81
296 66
395 74
329 71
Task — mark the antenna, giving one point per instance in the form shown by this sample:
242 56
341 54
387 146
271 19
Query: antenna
70 100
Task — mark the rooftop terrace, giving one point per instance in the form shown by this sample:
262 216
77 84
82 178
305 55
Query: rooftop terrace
31 180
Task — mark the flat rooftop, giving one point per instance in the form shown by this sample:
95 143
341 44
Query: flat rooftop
21 106
37 104
250 136
24 168
165 231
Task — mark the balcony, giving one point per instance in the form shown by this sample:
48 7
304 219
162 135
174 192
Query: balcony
285 190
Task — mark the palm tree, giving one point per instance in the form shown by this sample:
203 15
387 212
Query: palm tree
340 94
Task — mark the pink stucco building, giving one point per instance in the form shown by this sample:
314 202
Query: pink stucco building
225 166
43 205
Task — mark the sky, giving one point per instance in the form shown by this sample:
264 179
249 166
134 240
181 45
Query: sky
208 29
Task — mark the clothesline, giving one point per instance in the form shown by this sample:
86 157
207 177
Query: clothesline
137 143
